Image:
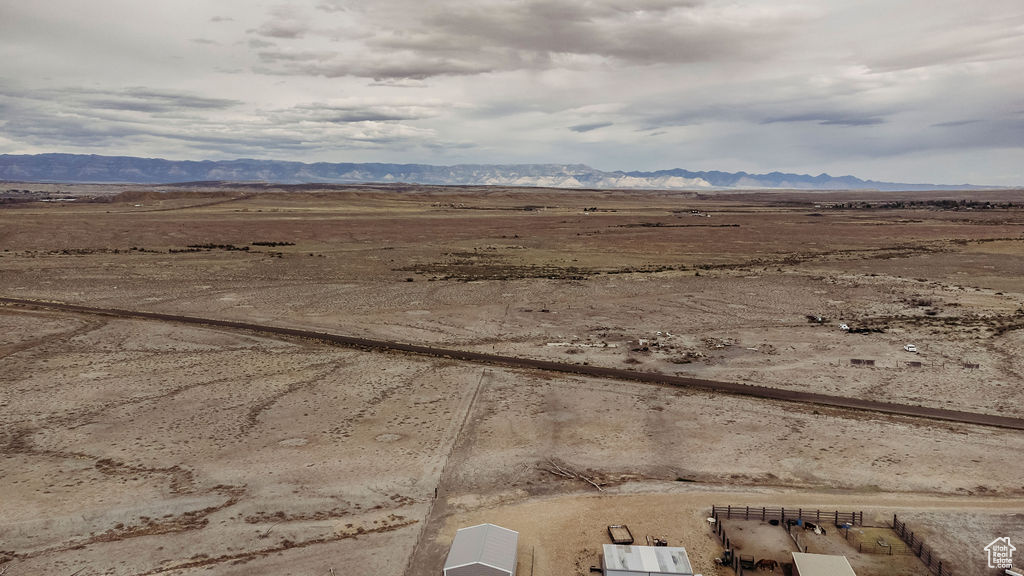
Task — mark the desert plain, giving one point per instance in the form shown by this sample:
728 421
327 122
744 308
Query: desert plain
140 446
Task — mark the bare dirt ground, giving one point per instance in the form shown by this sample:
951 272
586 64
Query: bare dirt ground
140 447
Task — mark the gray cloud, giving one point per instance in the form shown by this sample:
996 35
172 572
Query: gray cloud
656 33
287 30
332 6
286 22
393 67
148 100
75 118
467 38
85 100
829 119
362 112
953 38
590 127
954 123
258 43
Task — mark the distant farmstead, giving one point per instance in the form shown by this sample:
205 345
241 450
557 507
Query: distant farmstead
484 550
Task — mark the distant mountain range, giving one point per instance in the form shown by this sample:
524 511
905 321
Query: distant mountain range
127 169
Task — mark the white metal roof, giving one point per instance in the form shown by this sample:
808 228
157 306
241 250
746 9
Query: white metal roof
822 565
647 559
486 544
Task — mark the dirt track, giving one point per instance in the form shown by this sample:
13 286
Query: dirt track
581 369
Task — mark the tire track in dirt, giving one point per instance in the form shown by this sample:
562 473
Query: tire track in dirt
200 562
732 388
437 509
252 418
184 522
89 326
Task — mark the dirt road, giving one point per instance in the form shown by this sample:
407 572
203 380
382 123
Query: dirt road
560 367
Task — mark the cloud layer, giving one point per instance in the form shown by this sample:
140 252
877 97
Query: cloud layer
908 91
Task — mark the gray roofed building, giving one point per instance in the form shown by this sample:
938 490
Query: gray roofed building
645 561
821 565
484 550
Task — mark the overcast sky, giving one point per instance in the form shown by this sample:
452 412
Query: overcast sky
897 90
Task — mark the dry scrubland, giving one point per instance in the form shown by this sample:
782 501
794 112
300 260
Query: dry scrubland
142 447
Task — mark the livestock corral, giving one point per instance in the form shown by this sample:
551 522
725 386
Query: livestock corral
255 438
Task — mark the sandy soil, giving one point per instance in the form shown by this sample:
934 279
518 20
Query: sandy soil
138 447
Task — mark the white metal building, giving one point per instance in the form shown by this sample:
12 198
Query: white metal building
805 564
645 561
484 550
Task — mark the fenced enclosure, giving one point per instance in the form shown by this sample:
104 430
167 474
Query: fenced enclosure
765 513
873 540
920 549
866 539
784 517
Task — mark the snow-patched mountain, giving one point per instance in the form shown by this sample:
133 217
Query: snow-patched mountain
92 168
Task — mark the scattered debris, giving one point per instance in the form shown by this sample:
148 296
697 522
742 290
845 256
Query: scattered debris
569 473
716 343
655 541
582 344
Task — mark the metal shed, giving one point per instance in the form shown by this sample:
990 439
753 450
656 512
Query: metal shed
484 550
821 565
645 561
